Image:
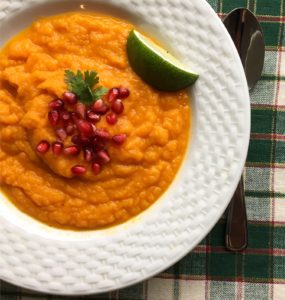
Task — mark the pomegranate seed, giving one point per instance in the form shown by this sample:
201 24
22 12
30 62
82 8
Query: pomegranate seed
118 106
56 104
88 154
74 116
96 168
53 117
102 133
113 94
93 129
70 129
123 93
85 128
111 118
92 116
70 98
104 156
78 170
81 110
100 107
98 145
85 141
65 115
71 150
43 147
57 148
81 141
61 133
119 139
76 139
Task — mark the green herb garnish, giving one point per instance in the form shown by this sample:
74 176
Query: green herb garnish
83 85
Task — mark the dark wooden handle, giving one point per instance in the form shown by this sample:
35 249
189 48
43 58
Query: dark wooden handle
236 231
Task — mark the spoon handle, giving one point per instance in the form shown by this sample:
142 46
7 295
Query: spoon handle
236 230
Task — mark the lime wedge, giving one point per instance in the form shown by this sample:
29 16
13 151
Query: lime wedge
156 66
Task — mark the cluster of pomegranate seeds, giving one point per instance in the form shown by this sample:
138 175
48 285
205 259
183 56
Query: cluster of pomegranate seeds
71 118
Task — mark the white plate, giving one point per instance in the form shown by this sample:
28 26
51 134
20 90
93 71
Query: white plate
35 256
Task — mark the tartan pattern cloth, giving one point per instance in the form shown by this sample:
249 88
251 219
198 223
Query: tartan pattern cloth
210 272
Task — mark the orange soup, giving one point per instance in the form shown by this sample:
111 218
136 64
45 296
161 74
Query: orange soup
155 126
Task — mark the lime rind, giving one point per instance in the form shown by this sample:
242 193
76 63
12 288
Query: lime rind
156 66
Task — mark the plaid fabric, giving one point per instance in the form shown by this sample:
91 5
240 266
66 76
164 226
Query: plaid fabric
209 272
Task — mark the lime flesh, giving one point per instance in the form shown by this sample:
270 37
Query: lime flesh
156 66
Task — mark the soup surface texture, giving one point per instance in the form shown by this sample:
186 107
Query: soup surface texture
157 124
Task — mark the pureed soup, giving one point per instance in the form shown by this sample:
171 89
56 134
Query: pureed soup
135 148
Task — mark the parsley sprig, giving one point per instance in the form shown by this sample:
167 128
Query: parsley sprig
82 84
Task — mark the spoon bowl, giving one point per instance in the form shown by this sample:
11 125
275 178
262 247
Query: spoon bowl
246 33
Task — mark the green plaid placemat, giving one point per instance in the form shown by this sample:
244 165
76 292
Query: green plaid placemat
209 272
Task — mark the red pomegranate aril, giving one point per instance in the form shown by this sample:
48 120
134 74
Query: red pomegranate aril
80 108
74 116
81 141
76 139
100 107
53 117
61 134
96 168
70 128
85 141
57 148
92 116
119 139
69 98
71 150
123 93
43 147
65 115
98 144
78 170
113 94
85 128
104 156
56 104
111 118
93 128
88 154
117 106
102 133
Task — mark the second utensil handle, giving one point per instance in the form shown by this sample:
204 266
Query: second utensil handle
236 230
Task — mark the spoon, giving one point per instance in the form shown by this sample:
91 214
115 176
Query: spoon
246 33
